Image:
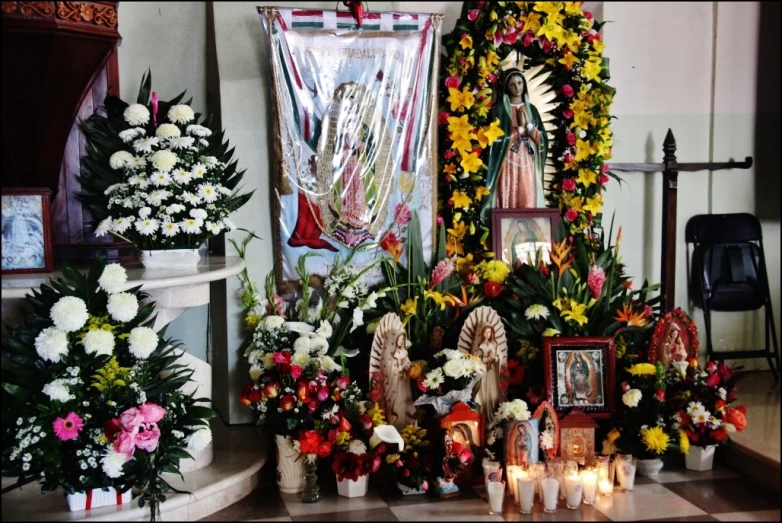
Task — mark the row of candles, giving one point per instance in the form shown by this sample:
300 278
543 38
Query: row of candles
557 479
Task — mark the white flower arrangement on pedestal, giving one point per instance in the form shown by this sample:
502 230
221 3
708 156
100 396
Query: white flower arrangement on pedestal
166 186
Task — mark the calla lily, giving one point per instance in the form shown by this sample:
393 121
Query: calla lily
386 434
300 327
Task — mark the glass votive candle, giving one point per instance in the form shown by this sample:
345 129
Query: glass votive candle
540 474
589 478
526 487
573 491
550 486
492 471
605 475
513 472
625 473
496 491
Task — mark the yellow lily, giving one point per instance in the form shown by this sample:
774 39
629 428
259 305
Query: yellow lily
439 300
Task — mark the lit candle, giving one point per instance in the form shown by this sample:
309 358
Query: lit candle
496 491
540 475
526 487
625 472
550 494
589 477
605 487
573 491
513 472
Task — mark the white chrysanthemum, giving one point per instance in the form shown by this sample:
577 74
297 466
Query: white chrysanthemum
318 345
210 161
450 354
69 313
136 114
168 131
455 369
199 130
175 208
695 407
632 397
112 188
112 463
129 134
156 197
199 440
181 114
228 224
302 345
144 212
181 176
113 278
546 440
255 372
328 364
536 312
214 228
357 447
198 170
144 145
301 359
147 227
57 390
123 306
722 393
183 142
164 160
142 342
120 225
198 214
325 329
273 322
434 379
99 341
191 226
169 229
103 227
160 178
550 332
207 192
190 198
137 162
268 361
120 159
128 202
51 343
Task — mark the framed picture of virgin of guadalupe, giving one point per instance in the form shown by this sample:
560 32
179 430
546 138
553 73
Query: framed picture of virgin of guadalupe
355 146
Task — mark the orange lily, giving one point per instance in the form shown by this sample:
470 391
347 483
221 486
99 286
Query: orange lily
558 255
632 318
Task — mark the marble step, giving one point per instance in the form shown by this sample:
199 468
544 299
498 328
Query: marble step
239 454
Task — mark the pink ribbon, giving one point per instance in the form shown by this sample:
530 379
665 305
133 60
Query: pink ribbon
154 108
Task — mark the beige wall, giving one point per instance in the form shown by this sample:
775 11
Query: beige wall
695 71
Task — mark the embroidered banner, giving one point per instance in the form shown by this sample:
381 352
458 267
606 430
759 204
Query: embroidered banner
354 113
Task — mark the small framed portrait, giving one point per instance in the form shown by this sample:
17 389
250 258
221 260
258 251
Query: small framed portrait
27 241
579 373
548 425
523 235
521 442
675 338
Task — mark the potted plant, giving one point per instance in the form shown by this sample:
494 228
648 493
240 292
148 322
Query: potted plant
700 400
157 177
91 394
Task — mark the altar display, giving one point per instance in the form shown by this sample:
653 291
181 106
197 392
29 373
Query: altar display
354 134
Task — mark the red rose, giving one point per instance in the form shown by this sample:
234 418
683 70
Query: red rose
713 380
453 81
527 40
742 409
571 215
249 396
296 371
571 138
724 371
567 90
113 426
604 168
720 435
374 395
492 289
694 437
365 421
406 473
312 406
660 395
568 158
735 418
719 405
448 154
587 15
491 79
343 382
569 184
271 390
376 376
282 357
287 402
480 5
472 14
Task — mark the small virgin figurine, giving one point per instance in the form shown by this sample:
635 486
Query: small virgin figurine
389 358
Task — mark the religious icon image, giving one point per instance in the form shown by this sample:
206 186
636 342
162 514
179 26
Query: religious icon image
578 443
548 423
520 440
390 359
24 232
675 339
579 377
483 336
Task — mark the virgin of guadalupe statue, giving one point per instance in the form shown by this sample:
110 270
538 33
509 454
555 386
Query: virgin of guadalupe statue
674 346
389 358
517 181
489 394
579 378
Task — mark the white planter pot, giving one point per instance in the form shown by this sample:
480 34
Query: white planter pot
353 489
649 467
290 466
700 458
170 259
97 498
407 491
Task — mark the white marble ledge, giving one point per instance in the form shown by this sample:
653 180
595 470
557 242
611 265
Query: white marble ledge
209 269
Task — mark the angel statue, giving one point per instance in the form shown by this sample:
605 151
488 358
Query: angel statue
483 336
389 358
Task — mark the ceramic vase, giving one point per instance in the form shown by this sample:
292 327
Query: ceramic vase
97 498
290 466
353 489
700 458
170 259
649 467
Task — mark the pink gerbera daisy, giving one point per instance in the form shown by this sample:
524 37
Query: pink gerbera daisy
68 427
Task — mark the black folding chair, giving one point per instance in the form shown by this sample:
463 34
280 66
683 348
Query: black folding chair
729 274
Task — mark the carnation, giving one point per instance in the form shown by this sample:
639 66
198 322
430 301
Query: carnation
302 344
136 114
168 131
164 160
112 463
122 306
57 390
99 341
69 313
255 372
632 397
142 342
120 159
357 447
181 114
114 276
199 440
329 365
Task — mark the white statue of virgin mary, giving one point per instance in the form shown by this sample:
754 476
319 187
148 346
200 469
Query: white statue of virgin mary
389 357
485 347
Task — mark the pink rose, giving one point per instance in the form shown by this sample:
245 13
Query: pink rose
282 357
568 113
453 81
152 413
569 185
567 90
131 419
125 443
571 215
472 15
296 371
147 440
571 138
323 394
402 214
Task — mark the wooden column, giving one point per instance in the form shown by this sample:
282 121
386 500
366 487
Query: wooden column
670 181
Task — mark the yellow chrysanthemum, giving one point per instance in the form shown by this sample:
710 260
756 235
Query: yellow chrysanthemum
494 271
642 369
655 439
684 442
251 320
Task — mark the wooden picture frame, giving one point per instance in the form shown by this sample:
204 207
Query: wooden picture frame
548 420
537 222
665 349
26 212
592 389
467 425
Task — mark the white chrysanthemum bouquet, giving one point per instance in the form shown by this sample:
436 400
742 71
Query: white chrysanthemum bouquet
91 395
159 179
451 370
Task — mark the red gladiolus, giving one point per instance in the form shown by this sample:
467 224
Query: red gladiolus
571 215
287 402
249 396
571 138
492 289
660 395
719 435
568 91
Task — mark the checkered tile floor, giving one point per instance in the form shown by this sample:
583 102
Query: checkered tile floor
674 494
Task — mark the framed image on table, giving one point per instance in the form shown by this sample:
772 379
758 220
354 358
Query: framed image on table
26 230
522 235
